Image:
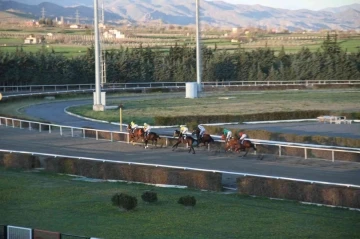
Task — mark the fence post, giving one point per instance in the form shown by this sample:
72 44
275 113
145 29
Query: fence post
333 155
305 150
72 132
97 135
49 128
84 133
13 125
111 135
39 127
280 150
61 131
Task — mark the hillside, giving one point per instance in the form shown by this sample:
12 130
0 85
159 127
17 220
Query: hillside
216 13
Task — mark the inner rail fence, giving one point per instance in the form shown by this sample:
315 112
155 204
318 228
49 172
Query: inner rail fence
16 232
166 85
335 152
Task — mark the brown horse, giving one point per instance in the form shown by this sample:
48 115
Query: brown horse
135 134
153 137
185 140
206 139
236 146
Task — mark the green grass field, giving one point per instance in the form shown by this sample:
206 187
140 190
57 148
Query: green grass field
238 103
60 203
66 50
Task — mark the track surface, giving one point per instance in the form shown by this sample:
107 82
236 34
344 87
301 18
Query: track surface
54 112
311 169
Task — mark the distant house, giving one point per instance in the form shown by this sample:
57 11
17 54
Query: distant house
108 35
30 23
74 26
115 33
32 40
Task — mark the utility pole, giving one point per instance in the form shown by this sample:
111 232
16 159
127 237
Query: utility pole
77 17
43 13
198 49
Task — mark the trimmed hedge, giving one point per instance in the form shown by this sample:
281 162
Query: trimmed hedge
146 174
309 114
299 191
22 161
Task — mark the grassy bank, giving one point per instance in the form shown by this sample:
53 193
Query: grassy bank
59 203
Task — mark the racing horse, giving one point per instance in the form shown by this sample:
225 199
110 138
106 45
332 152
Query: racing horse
153 137
206 139
135 134
185 140
235 145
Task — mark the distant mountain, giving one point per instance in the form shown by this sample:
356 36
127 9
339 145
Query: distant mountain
355 6
216 13
54 10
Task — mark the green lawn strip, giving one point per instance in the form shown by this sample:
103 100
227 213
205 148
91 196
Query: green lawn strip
58 203
145 110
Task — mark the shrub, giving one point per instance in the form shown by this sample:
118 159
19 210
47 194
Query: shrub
188 201
124 201
149 196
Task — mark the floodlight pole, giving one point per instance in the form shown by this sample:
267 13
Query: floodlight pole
97 96
198 49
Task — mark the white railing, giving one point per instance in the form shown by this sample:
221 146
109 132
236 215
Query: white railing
164 85
124 136
177 167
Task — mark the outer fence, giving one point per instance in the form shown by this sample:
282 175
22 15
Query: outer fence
124 137
14 232
166 85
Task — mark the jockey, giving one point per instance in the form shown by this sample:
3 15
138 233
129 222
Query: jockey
147 129
242 136
228 134
133 126
202 131
184 130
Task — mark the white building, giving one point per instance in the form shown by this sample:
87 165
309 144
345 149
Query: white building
32 40
74 26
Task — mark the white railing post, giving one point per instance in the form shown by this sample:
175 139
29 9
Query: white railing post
40 127
49 128
279 150
20 124
305 150
333 155
61 133
72 132
84 134
111 136
97 135
13 125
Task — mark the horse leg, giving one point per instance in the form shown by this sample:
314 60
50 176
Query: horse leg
192 148
175 145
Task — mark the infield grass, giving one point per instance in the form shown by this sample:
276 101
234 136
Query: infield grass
237 103
60 203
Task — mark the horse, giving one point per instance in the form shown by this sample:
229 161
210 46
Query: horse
135 134
151 136
206 139
187 140
235 145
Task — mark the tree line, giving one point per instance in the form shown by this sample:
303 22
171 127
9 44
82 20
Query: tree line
178 64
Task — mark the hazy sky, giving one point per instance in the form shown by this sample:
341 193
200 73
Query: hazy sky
297 4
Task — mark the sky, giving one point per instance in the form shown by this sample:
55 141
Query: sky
297 4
